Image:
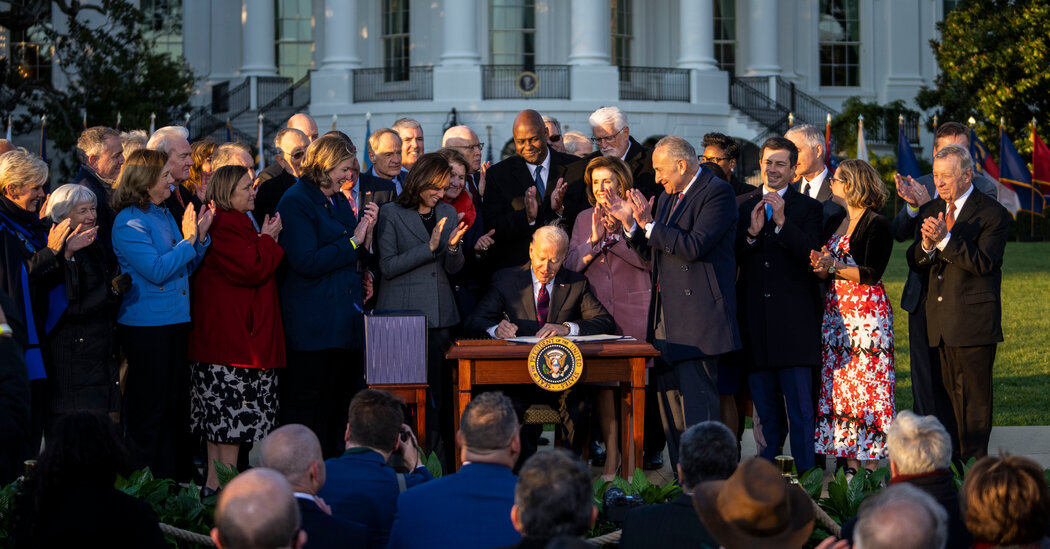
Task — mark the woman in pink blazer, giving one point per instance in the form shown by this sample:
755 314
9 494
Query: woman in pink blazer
618 277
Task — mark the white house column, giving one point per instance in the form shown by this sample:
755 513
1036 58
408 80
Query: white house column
905 44
763 23
593 77
196 43
697 44
258 36
458 76
331 86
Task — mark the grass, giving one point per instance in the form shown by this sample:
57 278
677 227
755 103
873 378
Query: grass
1021 378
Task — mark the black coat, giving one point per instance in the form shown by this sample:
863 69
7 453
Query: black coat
374 189
780 306
870 246
673 524
14 394
269 195
324 531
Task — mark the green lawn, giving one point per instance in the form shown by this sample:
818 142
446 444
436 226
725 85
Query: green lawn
1022 364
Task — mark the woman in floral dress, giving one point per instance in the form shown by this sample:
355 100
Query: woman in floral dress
856 393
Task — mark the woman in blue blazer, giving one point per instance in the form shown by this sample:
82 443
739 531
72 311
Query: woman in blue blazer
321 295
153 322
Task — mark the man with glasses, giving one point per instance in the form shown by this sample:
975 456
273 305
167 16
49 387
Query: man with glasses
291 145
300 121
724 151
612 137
554 133
465 140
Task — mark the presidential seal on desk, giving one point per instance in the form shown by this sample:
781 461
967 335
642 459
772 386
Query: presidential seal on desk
555 364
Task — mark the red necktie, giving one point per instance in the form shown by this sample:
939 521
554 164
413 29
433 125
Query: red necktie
543 305
950 219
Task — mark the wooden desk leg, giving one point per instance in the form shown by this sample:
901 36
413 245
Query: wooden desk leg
626 423
461 397
421 419
638 403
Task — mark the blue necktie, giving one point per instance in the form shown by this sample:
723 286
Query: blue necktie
769 211
539 183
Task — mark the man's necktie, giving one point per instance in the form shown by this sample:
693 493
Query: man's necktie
805 188
769 211
674 205
539 183
543 305
949 220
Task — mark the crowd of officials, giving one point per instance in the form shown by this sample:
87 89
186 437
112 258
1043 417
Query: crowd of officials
236 299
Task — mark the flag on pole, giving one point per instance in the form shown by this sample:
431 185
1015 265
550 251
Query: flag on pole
1040 163
8 136
827 144
1014 170
83 117
907 164
368 133
262 150
118 121
229 131
335 120
152 123
984 164
862 145
43 137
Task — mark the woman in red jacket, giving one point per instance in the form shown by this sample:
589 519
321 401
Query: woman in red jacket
237 339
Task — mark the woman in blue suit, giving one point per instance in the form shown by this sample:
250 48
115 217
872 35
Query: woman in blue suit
321 296
153 322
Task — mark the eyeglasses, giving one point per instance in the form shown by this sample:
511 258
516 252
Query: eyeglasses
298 155
599 140
476 147
714 159
833 179
555 138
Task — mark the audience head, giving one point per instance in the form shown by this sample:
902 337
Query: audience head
488 430
951 133
464 140
577 144
722 150
304 123
233 154
708 452
547 251
74 202
554 136
201 169
6 146
22 178
426 184
917 444
901 517
355 165
292 143
1006 501
132 141
460 167
606 176
779 158
810 142
99 148
859 185
715 169
553 496
231 189
674 163
84 446
755 508
375 421
411 134
256 510
145 178
530 137
174 141
295 452
384 150
327 163
952 171
610 131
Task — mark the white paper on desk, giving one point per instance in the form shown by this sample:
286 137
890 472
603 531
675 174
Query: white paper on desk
532 340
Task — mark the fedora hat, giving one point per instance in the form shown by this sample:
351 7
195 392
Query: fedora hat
755 508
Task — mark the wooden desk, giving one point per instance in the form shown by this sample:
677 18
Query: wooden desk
415 396
496 362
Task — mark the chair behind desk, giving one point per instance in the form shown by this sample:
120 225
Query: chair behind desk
396 359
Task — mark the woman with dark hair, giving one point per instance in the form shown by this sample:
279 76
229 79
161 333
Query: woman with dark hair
153 321
321 296
417 239
618 277
69 499
237 339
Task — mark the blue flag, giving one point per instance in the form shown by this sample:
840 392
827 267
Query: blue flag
907 164
229 131
1012 169
368 133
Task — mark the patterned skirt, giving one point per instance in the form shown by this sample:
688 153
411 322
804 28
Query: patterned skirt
231 404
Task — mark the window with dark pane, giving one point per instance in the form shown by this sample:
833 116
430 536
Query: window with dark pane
621 33
163 26
295 38
839 35
29 53
396 43
512 33
725 34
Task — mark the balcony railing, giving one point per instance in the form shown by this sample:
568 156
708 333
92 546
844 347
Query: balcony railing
884 131
294 96
654 84
231 101
394 84
521 82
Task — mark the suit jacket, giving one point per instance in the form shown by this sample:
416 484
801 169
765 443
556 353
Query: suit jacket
413 276
374 189
269 172
672 524
781 308
691 250
324 531
322 271
431 515
964 280
362 488
511 294
638 158
269 195
504 205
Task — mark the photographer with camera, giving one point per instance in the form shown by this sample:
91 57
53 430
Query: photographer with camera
361 486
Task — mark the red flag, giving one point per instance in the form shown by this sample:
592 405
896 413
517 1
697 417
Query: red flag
1040 163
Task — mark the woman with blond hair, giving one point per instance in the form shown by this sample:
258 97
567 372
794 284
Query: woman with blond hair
153 321
856 403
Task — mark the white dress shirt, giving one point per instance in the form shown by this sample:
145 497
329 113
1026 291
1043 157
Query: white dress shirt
574 329
814 186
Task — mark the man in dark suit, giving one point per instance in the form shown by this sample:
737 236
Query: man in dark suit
292 143
959 251
724 151
527 191
295 452
553 498
780 305
465 140
612 137
692 315
361 487
928 392
482 491
812 174
709 452
101 156
383 182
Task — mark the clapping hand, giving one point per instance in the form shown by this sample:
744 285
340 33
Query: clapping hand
435 235
911 191
532 206
457 235
642 208
621 209
558 196
364 225
484 242
80 239
820 261
933 230
368 284
597 226
204 221
481 180
758 219
272 226
777 204
56 238
189 223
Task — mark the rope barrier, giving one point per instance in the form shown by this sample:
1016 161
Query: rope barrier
606 538
186 535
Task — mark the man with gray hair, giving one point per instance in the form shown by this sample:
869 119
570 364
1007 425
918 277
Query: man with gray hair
174 140
554 135
811 171
291 148
101 156
692 311
708 452
612 137
465 140
299 121
411 134
232 153
901 517
483 489
256 510
553 498
295 452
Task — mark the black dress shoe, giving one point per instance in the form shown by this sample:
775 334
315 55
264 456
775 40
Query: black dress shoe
208 492
597 455
652 462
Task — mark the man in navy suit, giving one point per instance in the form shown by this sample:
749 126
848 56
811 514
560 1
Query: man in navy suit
692 315
361 487
470 509
295 452
383 182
